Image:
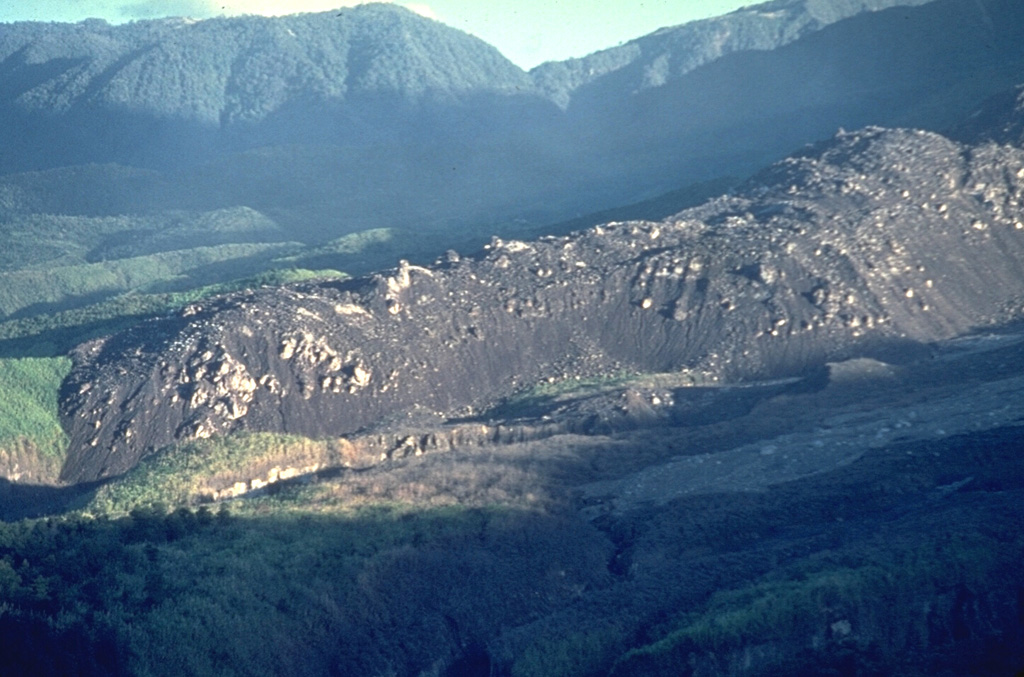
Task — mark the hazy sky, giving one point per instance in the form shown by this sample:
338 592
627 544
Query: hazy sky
526 31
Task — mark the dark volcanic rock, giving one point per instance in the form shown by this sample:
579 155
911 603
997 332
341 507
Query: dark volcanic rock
874 241
1000 120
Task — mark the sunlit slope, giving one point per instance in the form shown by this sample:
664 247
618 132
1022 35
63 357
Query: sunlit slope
870 243
196 152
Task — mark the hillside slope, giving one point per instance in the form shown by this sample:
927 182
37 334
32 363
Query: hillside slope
409 114
924 67
382 125
162 91
674 51
871 243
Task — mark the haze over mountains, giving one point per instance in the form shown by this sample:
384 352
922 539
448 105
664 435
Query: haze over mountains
700 355
375 117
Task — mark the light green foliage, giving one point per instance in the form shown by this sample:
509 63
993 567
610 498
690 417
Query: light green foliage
525 401
212 593
270 278
66 286
28 403
355 243
181 474
806 598
57 333
769 610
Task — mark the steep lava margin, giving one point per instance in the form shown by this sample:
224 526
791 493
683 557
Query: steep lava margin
873 241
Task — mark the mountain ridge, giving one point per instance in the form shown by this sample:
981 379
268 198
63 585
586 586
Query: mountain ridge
872 243
673 51
356 76
321 55
120 49
438 123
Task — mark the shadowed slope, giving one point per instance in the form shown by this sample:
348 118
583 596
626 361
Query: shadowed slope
872 241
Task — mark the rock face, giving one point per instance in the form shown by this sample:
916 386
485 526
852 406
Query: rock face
873 242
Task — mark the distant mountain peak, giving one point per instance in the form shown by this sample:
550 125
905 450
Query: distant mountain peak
673 51
227 69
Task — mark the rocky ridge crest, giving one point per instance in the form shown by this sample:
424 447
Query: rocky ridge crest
871 243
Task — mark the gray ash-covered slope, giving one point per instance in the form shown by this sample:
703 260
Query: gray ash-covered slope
873 241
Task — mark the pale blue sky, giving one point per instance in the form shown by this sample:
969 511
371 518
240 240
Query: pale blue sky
526 31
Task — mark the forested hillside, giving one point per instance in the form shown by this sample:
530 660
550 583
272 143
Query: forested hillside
156 85
336 344
223 147
674 51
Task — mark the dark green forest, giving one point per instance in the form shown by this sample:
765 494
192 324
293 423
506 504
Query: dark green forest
460 563
160 164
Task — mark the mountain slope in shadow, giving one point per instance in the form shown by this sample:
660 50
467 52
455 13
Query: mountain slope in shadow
868 244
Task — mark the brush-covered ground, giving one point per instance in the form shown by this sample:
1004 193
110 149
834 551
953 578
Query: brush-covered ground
864 520
860 518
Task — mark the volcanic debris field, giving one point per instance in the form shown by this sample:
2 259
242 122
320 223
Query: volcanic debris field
874 243
778 433
775 432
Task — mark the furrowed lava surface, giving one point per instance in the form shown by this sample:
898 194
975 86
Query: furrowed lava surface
871 243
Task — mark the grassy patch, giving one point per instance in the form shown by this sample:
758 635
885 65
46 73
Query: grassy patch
63 287
833 600
768 610
28 403
189 473
56 333
534 399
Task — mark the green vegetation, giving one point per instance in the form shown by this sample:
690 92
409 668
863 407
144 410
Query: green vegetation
190 473
587 652
530 400
538 398
391 569
215 593
830 597
28 409
57 333
63 287
165 593
408 566
772 610
353 243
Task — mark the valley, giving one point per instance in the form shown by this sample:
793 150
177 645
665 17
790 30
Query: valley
700 355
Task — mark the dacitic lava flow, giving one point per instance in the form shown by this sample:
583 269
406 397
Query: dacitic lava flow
874 241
